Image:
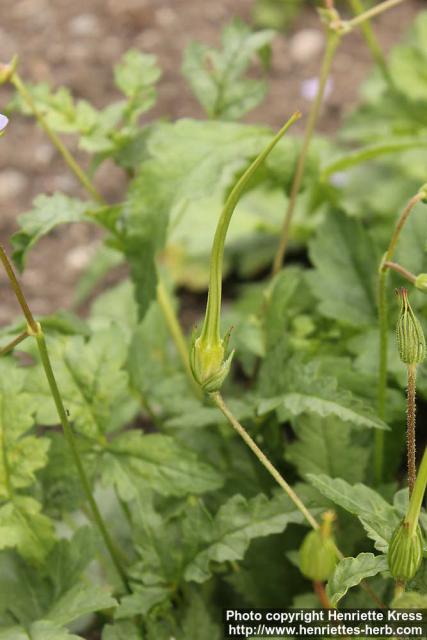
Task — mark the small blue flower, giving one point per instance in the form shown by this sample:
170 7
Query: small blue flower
3 122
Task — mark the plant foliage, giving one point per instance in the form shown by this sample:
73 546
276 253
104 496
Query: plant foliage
196 521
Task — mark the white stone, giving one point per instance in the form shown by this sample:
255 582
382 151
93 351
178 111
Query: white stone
79 257
12 184
43 154
306 45
86 24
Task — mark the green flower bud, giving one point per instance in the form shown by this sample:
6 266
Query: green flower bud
318 553
410 336
421 282
405 552
209 363
423 192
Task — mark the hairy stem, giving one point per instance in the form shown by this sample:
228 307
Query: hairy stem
372 42
333 38
383 327
34 329
394 266
11 345
54 138
32 324
371 13
219 401
382 374
400 224
410 427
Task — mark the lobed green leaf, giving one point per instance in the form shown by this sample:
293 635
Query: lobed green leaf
350 572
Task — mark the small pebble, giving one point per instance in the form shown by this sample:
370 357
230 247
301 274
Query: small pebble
79 257
62 183
12 184
43 154
306 45
165 17
84 25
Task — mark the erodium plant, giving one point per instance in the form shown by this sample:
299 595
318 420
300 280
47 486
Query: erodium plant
145 515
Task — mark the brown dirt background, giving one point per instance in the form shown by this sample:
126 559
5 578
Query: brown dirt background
77 43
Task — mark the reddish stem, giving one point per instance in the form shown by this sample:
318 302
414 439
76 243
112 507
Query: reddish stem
319 589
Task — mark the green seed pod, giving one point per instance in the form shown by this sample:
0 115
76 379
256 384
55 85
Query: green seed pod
421 282
410 336
423 192
209 363
318 552
405 552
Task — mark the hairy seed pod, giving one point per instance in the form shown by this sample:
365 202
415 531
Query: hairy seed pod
405 552
410 336
318 552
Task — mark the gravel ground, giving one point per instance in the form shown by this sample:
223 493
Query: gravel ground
77 43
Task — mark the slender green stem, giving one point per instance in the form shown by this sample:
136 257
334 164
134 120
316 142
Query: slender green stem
219 401
400 224
176 332
18 291
382 374
410 426
11 345
371 13
333 39
34 329
372 42
54 138
334 33
69 436
417 496
383 327
394 266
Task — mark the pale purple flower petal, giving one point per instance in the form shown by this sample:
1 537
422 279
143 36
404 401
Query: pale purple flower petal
310 87
3 122
339 179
